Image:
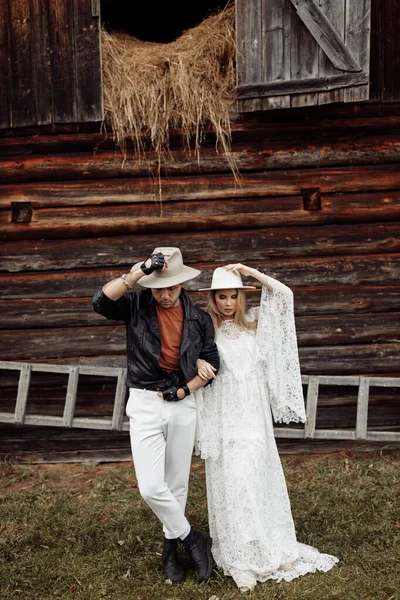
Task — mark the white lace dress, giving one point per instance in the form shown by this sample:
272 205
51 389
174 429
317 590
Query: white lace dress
249 510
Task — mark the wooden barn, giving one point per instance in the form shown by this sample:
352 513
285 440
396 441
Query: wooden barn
315 136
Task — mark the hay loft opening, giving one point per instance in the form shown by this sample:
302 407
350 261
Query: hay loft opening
186 86
156 21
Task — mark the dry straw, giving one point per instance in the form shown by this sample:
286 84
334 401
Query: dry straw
187 85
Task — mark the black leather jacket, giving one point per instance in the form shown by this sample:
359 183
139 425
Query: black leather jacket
137 310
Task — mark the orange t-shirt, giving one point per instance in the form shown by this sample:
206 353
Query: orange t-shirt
170 323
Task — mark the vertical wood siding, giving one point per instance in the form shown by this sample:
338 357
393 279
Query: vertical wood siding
299 53
50 64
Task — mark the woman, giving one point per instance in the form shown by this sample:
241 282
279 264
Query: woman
249 511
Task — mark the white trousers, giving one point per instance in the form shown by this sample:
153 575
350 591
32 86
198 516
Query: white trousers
162 439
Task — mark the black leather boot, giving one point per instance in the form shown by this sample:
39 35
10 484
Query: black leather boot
198 547
170 562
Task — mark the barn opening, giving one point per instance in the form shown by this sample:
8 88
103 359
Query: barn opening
156 21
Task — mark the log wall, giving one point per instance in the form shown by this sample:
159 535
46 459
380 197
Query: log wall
317 206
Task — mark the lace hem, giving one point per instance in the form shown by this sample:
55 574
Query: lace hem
310 560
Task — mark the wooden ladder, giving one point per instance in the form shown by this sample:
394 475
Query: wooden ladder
68 419
307 431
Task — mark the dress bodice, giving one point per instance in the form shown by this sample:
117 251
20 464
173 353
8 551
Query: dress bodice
236 347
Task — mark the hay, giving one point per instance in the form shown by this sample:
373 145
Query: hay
188 84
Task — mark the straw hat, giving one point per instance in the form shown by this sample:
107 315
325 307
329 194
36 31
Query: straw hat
226 280
176 272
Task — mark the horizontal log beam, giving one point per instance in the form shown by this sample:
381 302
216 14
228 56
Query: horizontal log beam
255 245
370 149
176 217
358 359
66 312
211 187
305 115
43 142
324 330
355 270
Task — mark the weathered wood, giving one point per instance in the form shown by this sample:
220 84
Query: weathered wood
22 395
42 142
270 155
303 64
326 36
315 360
248 34
61 34
257 185
302 86
89 73
362 408
275 25
119 401
377 270
335 12
357 36
347 329
20 56
70 399
300 75
326 117
263 245
41 52
83 421
196 217
390 51
48 312
376 67
311 405
349 359
5 72
338 299
82 341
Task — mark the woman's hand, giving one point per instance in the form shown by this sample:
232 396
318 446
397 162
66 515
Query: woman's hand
204 370
249 271
241 268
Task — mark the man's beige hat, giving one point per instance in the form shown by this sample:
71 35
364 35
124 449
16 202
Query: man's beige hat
176 272
226 280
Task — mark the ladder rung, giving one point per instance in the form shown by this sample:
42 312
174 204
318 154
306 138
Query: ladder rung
22 395
70 400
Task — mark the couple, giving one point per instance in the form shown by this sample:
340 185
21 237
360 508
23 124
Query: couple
230 367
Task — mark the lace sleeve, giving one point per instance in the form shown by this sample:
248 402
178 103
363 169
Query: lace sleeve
278 354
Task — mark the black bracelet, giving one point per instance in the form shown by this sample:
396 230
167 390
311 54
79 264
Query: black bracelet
185 388
171 394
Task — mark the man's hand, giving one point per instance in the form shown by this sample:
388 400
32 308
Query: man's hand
154 263
205 370
175 393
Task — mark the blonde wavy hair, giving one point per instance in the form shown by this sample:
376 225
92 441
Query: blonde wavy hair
240 314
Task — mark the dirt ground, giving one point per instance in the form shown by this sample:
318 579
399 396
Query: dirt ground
81 477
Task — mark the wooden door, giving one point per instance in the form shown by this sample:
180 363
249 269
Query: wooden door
302 52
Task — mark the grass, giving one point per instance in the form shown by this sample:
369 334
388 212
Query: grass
82 532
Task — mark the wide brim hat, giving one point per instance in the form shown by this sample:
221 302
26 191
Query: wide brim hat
226 280
175 274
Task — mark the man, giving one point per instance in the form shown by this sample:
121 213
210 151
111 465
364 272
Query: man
166 334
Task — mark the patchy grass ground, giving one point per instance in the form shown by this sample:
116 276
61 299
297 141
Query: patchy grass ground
82 532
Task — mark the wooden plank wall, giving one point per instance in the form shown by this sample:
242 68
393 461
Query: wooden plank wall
317 206
50 64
